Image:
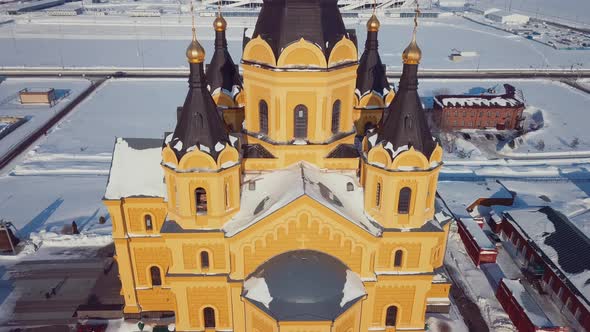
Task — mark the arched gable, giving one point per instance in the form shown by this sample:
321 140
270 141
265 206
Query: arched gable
169 157
371 99
302 53
410 158
436 155
197 159
257 50
304 224
378 155
228 155
344 51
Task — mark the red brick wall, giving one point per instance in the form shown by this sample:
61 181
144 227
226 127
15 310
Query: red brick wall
454 118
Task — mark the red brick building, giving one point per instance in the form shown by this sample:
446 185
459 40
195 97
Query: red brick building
546 244
453 112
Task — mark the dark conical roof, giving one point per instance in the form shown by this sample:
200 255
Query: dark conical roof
282 22
222 72
199 124
406 123
371 72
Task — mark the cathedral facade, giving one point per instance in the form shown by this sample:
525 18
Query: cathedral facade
281 222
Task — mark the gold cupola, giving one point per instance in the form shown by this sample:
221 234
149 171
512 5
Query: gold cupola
413 54
373 24
219 23
195 53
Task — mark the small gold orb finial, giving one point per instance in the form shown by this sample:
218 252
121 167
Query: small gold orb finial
373 24
413 54
195 53
219 24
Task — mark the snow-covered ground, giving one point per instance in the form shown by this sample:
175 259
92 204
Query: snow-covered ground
567 11
83 142
37 115
160 43
561 109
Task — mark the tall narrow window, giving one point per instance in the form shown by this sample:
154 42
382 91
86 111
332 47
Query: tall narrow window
227 196
209 317
391 316
403 205
201 201
156 277
397 258
407 122
204 260
378 195
300 115
263 114
148 222
336 116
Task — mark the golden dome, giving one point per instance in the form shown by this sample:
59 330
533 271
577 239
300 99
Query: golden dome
195 53
373 24
412 54
219 24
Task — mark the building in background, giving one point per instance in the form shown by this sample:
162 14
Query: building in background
456 112
37 96
504 17
289 227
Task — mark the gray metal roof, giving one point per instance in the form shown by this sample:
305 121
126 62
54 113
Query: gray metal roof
304 285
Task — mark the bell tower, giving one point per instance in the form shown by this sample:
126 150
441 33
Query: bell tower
200 159
401 159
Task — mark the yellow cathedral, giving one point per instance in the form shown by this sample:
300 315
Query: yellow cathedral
261 212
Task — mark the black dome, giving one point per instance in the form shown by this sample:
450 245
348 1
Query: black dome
282 22
304 285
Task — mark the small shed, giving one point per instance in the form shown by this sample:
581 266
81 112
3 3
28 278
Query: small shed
478 245
37 96
522 309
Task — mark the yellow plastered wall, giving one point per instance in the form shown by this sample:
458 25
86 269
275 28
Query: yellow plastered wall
233 118
407 293
223 196
385 208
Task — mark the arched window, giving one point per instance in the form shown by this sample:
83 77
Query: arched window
397 258
336 116
263 114
378 195
300 114
391 316
403 205
148 222
199 120
201 200
209 317
156 277
204 260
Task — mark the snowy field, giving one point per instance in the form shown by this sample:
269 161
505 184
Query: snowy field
37 115
160 43
561 108
567 11
83 143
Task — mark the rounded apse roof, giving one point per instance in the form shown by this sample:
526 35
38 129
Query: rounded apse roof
303 285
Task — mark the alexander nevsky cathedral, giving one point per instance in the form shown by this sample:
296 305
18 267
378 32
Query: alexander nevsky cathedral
300 196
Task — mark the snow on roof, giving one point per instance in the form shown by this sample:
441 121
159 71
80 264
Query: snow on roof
478 235
558 240
353 288
326 187
526 302
256 289
477 101
135 169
